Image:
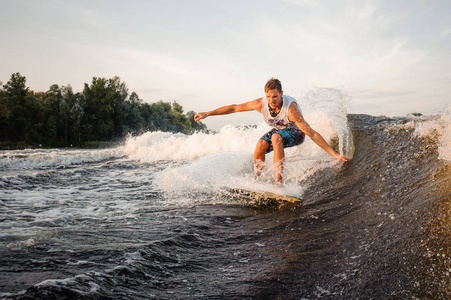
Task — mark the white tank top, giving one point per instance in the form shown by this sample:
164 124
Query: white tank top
280 121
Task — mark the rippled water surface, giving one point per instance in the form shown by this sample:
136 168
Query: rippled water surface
122 224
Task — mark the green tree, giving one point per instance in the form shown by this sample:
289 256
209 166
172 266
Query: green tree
120 91
3 115
57 103
102 112
20 111
68 101
51 109
181 122
133 121
163 118
77 118
185 122
104 108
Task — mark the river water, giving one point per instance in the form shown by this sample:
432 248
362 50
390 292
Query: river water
156 219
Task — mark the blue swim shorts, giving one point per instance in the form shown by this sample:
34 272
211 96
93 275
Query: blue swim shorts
291 137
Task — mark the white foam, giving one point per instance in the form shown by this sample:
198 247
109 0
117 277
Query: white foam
234 169
331 105
440 127
225 159
44 158
19 245
157 146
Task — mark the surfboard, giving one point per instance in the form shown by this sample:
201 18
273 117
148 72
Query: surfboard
267 198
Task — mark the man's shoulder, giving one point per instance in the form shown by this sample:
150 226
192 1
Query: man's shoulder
252 105
258 101
294 108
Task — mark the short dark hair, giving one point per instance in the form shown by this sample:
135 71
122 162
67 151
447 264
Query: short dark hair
273 84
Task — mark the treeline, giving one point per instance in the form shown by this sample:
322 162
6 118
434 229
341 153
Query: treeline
103 111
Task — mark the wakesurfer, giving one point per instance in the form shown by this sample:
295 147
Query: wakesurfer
283 114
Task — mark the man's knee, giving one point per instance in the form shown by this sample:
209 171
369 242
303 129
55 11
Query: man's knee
262 146
277 140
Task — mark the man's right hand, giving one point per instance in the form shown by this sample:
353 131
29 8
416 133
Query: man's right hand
200 116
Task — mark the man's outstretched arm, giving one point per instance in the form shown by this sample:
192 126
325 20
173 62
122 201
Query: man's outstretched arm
230 109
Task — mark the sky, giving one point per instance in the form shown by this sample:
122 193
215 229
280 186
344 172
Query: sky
391 57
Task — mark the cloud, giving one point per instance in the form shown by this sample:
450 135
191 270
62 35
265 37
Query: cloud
221 52
445 33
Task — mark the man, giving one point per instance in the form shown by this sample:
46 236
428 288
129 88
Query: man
283 114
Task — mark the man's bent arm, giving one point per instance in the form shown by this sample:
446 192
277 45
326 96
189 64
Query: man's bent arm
296 116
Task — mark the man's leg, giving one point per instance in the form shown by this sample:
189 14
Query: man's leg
259 156
279 156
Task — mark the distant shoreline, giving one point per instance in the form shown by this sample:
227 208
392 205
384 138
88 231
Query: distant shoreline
9 146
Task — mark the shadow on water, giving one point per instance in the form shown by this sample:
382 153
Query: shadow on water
377 228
